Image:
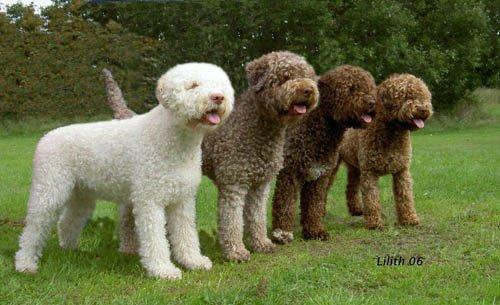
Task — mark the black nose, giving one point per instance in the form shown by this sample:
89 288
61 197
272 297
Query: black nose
371 103
423 112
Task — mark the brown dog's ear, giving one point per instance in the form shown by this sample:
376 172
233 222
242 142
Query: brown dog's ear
257 72
384 98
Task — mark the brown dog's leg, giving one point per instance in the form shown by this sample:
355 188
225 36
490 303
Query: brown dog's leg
127 234
403 195
352 191
285 196
313 208
231 205
254 214
372 210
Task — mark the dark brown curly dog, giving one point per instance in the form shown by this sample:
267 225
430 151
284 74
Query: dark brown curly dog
403 105
347 99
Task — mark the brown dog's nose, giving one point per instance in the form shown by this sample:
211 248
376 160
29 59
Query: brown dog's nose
371 103
217 98
308 91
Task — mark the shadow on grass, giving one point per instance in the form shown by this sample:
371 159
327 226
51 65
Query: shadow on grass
98 249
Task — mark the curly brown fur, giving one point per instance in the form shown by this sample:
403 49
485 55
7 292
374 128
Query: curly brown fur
347 99
403 105
115 97
244 154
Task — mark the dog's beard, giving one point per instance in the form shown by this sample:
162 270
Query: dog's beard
355 120
403 125
211 117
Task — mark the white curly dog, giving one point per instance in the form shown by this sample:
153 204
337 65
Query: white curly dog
151 162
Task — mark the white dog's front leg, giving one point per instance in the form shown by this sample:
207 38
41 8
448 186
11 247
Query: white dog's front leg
255 218
154 250
181 229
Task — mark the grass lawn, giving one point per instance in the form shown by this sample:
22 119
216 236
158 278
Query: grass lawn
457 178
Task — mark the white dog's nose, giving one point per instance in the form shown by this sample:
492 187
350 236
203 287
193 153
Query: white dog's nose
217 98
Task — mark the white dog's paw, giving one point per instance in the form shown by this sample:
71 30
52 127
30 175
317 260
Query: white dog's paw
282 237
25 265
199 262
169 272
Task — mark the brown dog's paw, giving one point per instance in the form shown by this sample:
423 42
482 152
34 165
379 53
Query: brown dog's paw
414 221
316 235
374 225
238 255
263 246
129 249
356 211
282 237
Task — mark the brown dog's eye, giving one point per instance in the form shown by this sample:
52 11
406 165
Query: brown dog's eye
192 85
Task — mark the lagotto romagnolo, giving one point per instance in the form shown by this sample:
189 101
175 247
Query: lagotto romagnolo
347 99
384 148
150 164
246 152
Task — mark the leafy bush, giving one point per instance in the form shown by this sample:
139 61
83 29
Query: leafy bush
53 62
51 66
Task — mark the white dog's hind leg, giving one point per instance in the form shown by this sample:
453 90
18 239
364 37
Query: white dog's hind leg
181 229
127 233
76 213
47 196
154 249
255 219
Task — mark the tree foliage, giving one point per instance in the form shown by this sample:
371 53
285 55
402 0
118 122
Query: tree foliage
52 62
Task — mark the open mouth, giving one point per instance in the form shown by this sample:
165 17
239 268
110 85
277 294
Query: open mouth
416 122
366 118
298 108
211 118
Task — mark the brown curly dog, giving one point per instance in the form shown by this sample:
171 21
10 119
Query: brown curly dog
347 99
384 147
245 154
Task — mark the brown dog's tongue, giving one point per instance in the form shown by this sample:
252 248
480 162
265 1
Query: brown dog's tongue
213 118
419 123
300 109
366 118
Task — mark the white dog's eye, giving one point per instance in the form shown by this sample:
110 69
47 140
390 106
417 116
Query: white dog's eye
192 85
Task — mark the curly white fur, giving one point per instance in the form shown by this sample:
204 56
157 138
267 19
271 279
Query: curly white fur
151 162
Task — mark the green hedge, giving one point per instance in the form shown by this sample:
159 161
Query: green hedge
53 69
452 45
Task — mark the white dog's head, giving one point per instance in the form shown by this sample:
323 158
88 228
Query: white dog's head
198 94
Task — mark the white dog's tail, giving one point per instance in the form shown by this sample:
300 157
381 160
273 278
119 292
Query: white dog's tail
115 97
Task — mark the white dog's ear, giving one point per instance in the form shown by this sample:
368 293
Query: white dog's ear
164 93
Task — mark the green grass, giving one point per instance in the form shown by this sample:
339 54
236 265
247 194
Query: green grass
456 173
481 109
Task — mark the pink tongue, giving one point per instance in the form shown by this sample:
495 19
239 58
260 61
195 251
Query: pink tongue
213 118
300 109
419 122
366 118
